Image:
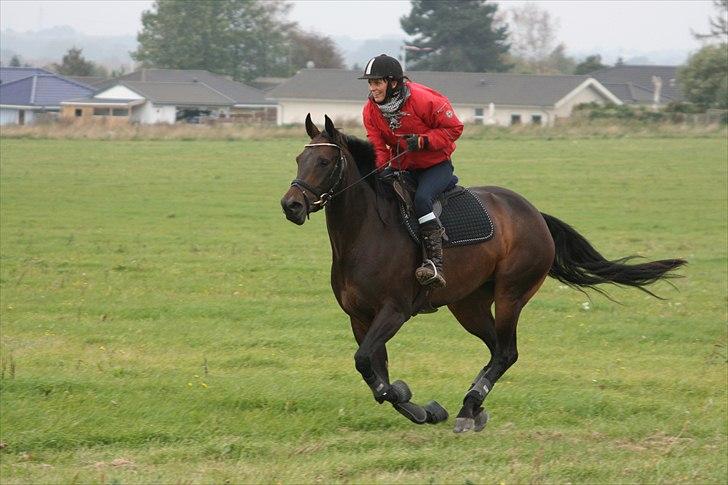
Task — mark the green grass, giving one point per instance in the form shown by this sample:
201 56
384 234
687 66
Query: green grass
157 308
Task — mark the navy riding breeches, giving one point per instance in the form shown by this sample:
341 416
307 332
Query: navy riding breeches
431 182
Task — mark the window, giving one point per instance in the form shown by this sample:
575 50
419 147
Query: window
120 112
515 119
79 112
536 119
101 111
478 115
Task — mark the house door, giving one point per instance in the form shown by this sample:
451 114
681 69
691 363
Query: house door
21 116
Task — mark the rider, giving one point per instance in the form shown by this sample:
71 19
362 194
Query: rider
402 115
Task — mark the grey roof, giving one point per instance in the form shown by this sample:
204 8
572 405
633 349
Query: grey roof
238 92
459 87
175 93
641 77
632 94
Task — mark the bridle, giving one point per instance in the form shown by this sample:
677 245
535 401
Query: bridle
323 198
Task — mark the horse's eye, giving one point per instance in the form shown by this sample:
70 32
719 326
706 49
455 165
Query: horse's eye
323 162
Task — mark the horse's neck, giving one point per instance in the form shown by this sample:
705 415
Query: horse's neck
351 217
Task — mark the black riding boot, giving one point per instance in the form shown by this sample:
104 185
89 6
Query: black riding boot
430 273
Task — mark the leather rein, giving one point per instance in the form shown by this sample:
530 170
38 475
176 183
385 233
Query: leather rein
323 198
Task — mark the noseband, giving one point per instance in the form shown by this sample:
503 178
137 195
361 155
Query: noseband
322 197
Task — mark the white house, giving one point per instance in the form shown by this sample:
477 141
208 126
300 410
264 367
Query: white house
167 95
489 98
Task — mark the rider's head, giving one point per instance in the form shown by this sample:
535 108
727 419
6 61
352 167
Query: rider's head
385 75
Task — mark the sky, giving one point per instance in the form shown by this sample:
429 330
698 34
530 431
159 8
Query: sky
633 25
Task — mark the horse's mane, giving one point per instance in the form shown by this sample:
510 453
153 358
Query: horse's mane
363 153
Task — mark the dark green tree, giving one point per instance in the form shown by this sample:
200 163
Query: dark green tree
704 78
590 64
240 38
74 64
461 34
718 24
15 61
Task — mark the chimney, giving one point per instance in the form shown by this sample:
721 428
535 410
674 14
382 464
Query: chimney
657 84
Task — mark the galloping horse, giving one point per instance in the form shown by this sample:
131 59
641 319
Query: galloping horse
372 272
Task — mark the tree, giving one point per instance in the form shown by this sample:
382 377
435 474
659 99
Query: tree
718 24
74 64
309 46
15 61
589 65
533 42
244 39
461 34
704 78
532 32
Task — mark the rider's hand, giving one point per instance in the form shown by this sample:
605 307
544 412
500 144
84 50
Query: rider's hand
416 142
387 173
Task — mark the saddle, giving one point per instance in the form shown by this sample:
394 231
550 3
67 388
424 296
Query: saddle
462 214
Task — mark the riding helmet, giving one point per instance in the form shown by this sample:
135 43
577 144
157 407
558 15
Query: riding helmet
383 67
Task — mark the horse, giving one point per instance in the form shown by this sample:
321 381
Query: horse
373 263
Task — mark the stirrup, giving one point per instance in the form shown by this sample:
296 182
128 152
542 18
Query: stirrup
433 278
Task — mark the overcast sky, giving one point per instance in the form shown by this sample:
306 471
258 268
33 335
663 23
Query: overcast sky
634 25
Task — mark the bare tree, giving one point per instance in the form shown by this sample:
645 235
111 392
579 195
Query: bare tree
534 46
533 32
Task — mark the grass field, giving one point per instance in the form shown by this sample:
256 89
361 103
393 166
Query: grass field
163 323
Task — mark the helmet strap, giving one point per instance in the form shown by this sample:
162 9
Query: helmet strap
390 89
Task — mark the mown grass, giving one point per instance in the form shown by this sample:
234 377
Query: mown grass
162 322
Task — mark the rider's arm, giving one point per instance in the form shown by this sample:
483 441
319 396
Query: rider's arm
374 135
445 127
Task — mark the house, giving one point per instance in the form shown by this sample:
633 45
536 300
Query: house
642 85
28 94
149 103
245 103
488 98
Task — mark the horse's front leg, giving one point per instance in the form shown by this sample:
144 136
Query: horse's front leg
371 357
371 362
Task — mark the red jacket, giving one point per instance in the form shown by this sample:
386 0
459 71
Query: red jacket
426 112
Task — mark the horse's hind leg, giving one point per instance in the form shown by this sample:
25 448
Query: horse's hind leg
510 298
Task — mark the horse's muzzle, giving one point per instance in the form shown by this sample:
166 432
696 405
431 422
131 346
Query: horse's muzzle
294 210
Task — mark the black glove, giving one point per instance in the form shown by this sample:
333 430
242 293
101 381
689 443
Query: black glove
387 173
416 142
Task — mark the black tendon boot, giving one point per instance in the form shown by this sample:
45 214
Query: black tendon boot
430 273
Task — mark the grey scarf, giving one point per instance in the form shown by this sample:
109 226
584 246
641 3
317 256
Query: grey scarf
391 109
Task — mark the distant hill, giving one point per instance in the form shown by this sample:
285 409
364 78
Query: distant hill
43 47
358 52
46 46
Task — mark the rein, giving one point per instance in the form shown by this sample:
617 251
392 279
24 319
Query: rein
325 197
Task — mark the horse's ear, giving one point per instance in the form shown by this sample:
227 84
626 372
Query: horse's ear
329 126
311 129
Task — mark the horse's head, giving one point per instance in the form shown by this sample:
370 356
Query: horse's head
321 169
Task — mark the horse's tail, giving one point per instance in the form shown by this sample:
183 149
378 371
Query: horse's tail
578 264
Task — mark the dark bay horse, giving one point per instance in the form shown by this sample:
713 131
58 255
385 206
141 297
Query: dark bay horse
374 258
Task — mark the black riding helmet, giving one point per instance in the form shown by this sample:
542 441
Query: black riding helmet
387 68
383 67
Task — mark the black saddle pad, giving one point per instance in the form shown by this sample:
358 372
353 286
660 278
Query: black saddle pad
464 216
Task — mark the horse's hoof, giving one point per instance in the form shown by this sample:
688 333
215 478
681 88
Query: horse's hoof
411 411
481 419
463 424
401 392
435 412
